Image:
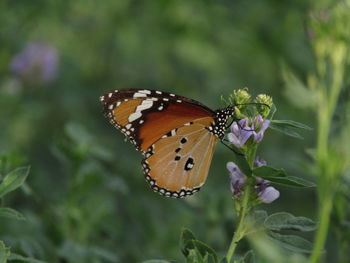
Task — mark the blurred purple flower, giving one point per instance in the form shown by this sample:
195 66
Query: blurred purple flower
265 192
259 162
237 179
241 130
36 62
268 195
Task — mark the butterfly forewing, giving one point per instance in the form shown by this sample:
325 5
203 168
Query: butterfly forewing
144 115
177 164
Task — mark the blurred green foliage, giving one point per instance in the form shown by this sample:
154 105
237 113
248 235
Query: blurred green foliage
85 199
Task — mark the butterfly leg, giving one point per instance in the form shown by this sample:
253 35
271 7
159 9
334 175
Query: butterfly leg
231 148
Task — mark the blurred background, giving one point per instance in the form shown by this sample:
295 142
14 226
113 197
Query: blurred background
86 199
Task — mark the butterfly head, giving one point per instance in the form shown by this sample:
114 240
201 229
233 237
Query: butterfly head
218 128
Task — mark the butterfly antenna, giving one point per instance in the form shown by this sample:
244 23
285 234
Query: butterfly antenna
252 103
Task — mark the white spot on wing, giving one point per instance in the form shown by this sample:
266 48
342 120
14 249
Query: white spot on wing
134 116
145 91
146 104
139 95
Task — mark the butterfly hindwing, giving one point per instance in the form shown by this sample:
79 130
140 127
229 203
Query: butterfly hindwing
177 164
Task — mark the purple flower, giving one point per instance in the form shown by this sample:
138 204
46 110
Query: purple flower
240 133
237 179
241 130
260 125
259 162
268 195
265 192
36 62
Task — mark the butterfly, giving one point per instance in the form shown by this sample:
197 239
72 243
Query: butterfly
176 135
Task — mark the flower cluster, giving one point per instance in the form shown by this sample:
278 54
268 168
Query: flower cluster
242 130
265 192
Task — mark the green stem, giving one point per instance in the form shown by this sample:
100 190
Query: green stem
240 231
321 234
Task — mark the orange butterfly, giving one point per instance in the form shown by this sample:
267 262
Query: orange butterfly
176 135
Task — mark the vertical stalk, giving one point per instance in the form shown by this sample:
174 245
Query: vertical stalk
239 233
321 234
326 188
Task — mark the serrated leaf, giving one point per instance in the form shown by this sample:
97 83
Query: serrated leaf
186 237
204 249
291 242
286 221
194 256
290 181
11 213
268 171
13 180
287 130
189 243
5 252
293 124
18 257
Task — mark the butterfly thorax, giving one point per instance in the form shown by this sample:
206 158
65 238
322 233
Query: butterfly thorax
218 128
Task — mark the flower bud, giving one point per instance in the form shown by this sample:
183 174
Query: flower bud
265 106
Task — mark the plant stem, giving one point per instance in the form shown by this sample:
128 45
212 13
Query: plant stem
240 231
321 234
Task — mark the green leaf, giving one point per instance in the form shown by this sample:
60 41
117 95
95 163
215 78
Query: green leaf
4 252
286 221
249 257
293 124
287 130
186 237
18 257
290 181
297 92
11 213
204 249
291 242
268 171
279 176
241 161
258 217
194 257
188 242
13 180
